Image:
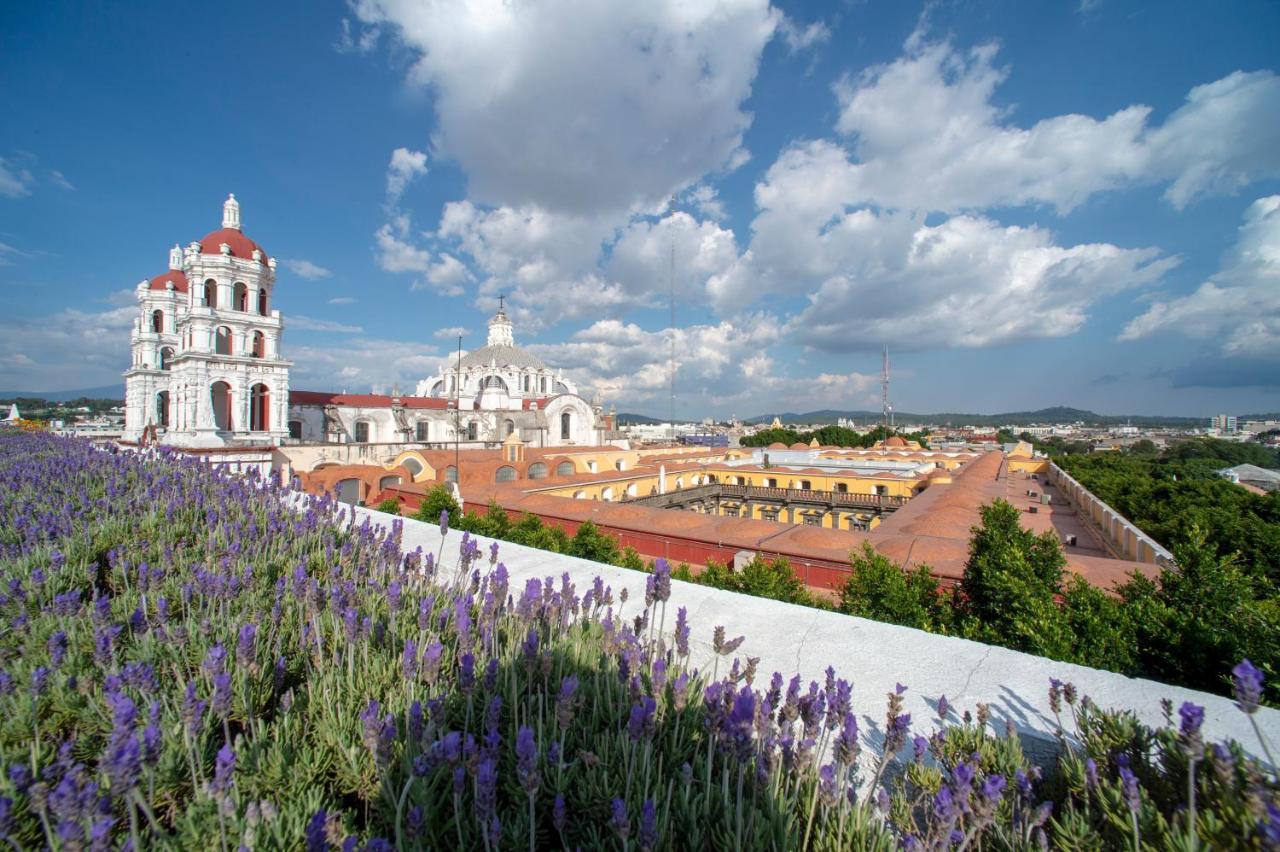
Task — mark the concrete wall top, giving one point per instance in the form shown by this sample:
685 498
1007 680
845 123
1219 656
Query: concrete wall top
873 656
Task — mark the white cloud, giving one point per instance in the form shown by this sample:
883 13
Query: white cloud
1225 137
362 363
306 269
583 105
799 38
449 333
927 135
76 349
447 276
641 259
363 43
395 253
404 167
60 180
342 300
707 200
15 180
873 276
301 323
1239 306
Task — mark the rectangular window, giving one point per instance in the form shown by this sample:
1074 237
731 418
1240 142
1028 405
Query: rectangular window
813 520
295 430
731 511
362 433
422 431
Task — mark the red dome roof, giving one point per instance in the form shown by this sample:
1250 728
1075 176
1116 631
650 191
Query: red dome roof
241 246
177 276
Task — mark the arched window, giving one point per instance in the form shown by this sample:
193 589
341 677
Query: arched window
388 481
259 408
211 293
506 473
473 429
362 432
620 464
220 399
222 341
157 321
842 488
437 388
422 431
525 385
607 493
508 427
262 301
240 296
564 469
413 466
538 470
450 474
495 382
566 425
259 349
162 409
542 385
579 495
166 358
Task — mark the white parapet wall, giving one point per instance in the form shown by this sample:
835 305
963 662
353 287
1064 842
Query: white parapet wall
1122 534
875 657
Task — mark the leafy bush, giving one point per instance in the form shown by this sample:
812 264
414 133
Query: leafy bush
391 506
437 500
191 658
880 590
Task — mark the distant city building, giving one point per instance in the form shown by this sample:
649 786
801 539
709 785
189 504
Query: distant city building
206 367
1224 423
1251 475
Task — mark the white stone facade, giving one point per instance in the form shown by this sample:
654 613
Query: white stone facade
489 394
207 369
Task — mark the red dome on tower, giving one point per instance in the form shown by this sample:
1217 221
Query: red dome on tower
177 276
241 246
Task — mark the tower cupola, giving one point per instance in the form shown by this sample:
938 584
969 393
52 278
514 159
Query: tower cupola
231 212
500 333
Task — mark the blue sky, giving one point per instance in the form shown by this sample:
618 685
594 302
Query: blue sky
1032 204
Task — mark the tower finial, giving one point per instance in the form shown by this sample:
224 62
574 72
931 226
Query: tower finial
501 299
231 212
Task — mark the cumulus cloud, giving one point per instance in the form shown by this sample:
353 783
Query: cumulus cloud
446 276
404 167
15 179
1238 308
799 37
301 323
359 364
76 349
306 269
395 252
641 259
583 105
927 135
449 333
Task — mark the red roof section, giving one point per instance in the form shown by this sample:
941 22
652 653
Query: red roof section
241 246
364 400
177 276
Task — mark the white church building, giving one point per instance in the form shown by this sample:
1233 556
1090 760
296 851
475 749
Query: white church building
208 373
207 369
484 396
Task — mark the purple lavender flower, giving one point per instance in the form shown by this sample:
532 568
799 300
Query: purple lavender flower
193 711
1129 785
223 771
100 834
993 789
39 680
943 707
316 835
558 814
444 522
920 747
467 672
618 820
246 645
57 648
682 632
1248 686
409 660
379 733
222 695
527 759
123 762
1192 716
486 788
640 723
846 745
662 579
648 838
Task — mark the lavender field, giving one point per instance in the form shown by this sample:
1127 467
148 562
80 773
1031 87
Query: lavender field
192 659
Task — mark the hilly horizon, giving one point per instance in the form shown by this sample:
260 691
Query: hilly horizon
1054 415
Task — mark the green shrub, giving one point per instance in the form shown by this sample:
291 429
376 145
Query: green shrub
880 590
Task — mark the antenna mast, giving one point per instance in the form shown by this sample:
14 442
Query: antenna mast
887 409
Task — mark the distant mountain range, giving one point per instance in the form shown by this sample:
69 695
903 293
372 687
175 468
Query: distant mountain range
105 392
1047 416
625 419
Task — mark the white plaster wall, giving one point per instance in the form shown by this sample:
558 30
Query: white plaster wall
873 656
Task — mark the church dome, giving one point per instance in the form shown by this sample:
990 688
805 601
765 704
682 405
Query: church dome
504 356
177 276
241 246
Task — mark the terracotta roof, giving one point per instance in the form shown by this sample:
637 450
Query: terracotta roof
241 246
177 276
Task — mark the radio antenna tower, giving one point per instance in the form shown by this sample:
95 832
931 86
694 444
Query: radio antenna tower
887 409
